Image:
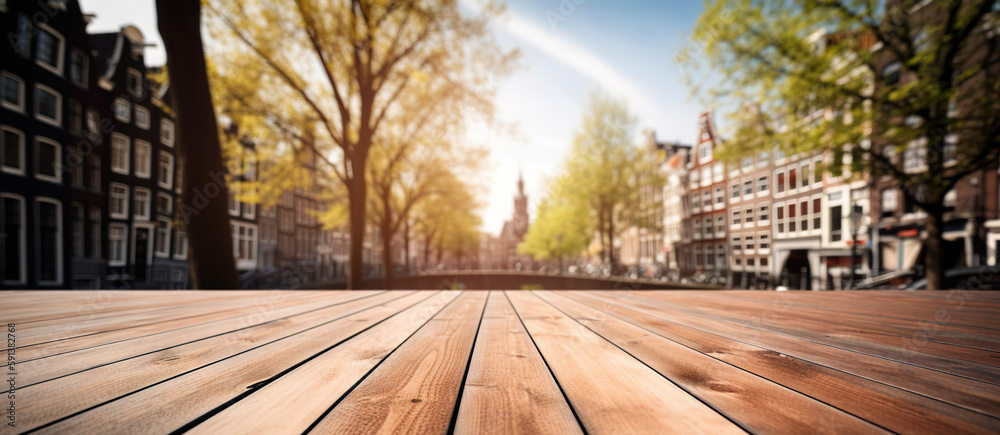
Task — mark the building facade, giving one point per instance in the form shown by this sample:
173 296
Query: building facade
706 253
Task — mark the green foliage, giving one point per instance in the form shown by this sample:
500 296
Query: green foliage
597 191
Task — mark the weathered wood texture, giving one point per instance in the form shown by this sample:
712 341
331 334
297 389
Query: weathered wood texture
505 362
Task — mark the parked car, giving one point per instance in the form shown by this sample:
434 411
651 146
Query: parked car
976 278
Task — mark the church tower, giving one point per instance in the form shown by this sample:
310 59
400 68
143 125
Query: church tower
520 209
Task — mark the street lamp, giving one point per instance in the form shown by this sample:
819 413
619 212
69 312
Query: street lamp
855 218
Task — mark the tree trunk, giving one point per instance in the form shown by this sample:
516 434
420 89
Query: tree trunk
611 242
933 249
386 254
358 197
406 244
210 256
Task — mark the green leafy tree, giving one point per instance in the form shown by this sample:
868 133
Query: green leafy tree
862 80
561 229
605 170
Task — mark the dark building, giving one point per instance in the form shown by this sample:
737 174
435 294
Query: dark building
88 164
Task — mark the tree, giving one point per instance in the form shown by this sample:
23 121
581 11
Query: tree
349 66
864 81
605 170
561 229
199 151
448 222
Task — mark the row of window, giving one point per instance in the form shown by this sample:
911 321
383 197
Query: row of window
47 240
751 243
121 160
797 217
118 203
48 155
48 109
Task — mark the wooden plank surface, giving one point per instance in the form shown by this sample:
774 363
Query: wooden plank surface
509 388
505 362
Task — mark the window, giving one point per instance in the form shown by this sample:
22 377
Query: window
48 160
735 191
50 245
13 151
720 196
94 163
95 232
781 218
763 160
119 153
708 226
791 217
737 217
249 210
804 213
891 73
817 212
122 110
92 121
763 213
135 83
165 176
234 207
915 156
78 62
706 198
142 117
889 204
118 201
748 188
749 243
48 105
77 229
764 241
77 170
705 153
24 30
749 217
13 92
162 237
818 173
781 182
75 117
180 244
950 149
836 223
720 223
805 176
750 261
117 234
747 163
167 132
245 242
14 245
762 184
142 203
143 158
164 203
791 179
49 49
737 244
763 261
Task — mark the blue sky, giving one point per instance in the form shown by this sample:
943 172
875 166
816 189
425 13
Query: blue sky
570 48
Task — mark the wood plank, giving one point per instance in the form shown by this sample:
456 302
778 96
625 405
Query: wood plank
898 410
792 323
509 389
59 398
166 321
416 389
611 391
170 406
43 369
967 393
66 329
280 407
758 405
